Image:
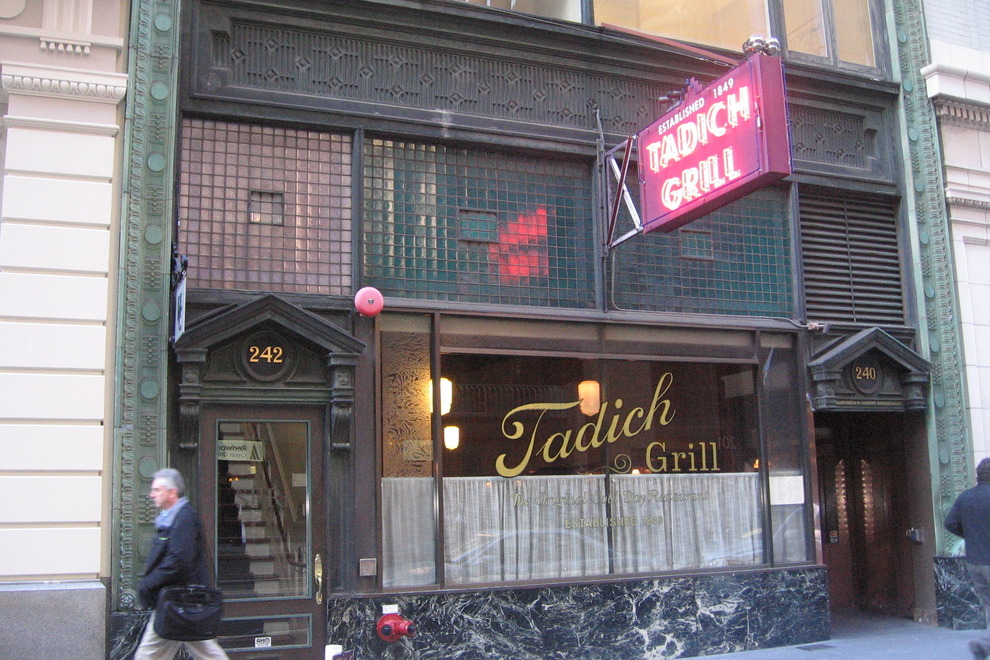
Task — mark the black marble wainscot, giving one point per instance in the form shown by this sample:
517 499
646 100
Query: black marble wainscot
674 617
956 605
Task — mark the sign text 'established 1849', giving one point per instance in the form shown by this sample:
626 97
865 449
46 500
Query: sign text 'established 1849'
719 144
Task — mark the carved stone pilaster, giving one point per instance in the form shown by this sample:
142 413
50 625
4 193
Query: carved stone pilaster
926 201
143 292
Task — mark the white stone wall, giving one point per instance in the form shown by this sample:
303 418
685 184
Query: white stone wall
958 81
62 91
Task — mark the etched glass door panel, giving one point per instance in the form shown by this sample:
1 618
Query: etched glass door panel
263 505
263 496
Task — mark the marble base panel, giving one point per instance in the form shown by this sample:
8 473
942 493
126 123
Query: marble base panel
49 620
956 605
674 617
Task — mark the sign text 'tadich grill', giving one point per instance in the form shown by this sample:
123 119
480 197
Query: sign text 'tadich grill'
719 144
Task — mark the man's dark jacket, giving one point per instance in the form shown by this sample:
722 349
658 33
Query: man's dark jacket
177 558
970 519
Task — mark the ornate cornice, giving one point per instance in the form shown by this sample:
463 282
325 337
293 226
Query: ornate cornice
962 113
51 82
65 46
980 204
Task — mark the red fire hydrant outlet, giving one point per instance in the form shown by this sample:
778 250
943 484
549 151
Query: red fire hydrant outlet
392 628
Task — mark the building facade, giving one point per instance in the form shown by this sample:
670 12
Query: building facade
960 91
957 84
549 443
62 86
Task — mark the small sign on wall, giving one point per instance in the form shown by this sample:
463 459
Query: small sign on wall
240 450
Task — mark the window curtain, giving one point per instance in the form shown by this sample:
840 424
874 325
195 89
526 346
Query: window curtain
686 521
526 528
408 546
535 528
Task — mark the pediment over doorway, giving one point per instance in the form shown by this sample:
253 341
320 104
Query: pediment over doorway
869 371
263 352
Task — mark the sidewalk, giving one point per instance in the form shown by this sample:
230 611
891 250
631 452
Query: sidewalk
861 636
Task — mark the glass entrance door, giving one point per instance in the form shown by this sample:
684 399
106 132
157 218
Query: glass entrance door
262 482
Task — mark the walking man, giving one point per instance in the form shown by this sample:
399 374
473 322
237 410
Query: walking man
969 518
178 558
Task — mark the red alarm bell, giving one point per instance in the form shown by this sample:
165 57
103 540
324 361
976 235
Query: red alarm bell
392 628
369 301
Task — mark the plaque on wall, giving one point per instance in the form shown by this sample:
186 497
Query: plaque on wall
866 374
267 356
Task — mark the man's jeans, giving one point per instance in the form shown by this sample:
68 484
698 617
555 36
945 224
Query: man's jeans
979 576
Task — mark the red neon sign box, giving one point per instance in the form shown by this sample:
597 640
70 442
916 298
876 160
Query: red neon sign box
718 145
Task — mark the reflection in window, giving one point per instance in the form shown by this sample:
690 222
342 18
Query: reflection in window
568 10
262 531
728 24
408 534
658 474
854 31
806 22
721 23
784 448
805 27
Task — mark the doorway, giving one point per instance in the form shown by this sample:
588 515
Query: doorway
261 497
864 511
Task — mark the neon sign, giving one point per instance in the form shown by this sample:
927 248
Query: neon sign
718 145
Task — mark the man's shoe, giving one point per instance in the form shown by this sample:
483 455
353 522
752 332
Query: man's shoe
978 652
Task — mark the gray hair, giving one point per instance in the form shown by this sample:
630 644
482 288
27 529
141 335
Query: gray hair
983 471
173 479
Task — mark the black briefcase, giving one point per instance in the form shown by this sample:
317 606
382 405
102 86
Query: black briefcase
188 614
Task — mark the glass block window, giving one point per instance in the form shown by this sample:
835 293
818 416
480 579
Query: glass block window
444 223
736 260
264 208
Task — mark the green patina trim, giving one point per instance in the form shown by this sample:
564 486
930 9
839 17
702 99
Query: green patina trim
948 430
140 405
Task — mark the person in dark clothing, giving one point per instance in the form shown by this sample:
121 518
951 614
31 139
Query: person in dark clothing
969 518
178 558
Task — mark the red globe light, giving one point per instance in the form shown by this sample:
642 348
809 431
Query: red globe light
368 301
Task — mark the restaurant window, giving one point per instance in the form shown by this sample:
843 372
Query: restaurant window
807 24
408 487
568 467
568 10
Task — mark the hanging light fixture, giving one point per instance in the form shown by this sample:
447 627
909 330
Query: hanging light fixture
446 395
451 437
590 394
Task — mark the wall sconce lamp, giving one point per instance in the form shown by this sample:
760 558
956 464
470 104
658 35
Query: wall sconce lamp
451 437
590 394
446 395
